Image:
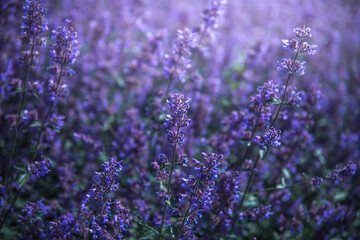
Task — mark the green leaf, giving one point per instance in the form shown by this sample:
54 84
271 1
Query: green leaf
165 166
263 153
286 173
20 90
274 101
35 124
168 203
162 187
320 155
107 125
120 81
23 179
21 168
340 196
283 182
162 117
305 175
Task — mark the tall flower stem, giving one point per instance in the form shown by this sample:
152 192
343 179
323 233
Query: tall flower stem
169 182
251 138
183 221
287 84
186 215
27 176
249 182
151 146
46 117
247 189
22 103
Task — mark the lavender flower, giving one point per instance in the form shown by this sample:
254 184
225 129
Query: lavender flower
270 138
34 23
256 214
33 220
289 66
29 117
212 15
40 169
178 118
64 50
63 228
293 66
161 174
302 32
295 98
175 66
260 103
336 175
105 182
316 182
63 53
199 191
322 212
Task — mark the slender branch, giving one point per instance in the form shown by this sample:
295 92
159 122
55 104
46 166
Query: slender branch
287 83
47 115
183 221
143 223
22 102
282 188
187 213
169 182
36 147
248 185
251 138
247 189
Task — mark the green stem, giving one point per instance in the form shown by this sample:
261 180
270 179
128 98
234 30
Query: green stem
22 103
43 124
248 185
187 212
282 101
36 146
143 223
287 83
282 188
251 138
247 189
183 222
169 182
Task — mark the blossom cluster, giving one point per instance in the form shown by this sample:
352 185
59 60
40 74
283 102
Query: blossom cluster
178 118
269 138
198 195
175 65
63 52
34 23
41 168
337 174
256 214
292 66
